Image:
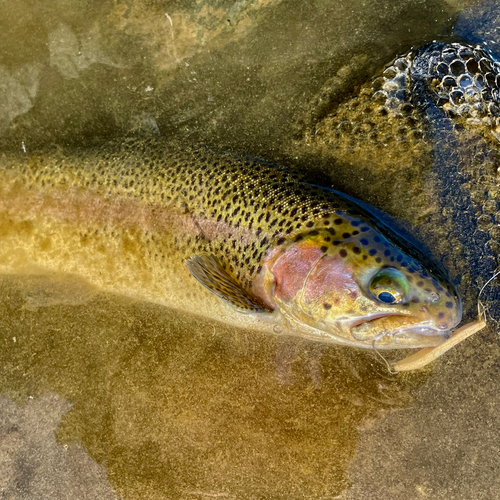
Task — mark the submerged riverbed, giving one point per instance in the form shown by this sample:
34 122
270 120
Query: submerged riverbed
104 397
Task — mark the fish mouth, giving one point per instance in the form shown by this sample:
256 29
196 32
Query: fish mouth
372 317
386 330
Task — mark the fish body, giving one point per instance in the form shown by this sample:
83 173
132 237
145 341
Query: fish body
236 239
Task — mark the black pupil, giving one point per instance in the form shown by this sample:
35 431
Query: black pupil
386 297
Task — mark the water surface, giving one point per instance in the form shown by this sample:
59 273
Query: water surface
161 405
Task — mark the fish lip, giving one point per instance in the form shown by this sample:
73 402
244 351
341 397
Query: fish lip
371 317
422 329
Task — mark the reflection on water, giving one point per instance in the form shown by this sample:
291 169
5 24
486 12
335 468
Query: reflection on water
165 405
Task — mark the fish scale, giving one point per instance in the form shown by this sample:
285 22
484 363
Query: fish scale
242 193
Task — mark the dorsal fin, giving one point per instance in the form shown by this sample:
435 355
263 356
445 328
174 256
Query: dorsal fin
208 270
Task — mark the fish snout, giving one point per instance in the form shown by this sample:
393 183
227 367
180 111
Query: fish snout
442 316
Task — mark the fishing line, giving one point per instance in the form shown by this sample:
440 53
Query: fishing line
389 369
481 309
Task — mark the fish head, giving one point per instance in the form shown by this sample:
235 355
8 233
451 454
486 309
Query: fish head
361 289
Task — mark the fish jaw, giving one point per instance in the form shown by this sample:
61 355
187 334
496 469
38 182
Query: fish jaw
386 331
412 337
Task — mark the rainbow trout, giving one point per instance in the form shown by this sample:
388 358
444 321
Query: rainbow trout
235 239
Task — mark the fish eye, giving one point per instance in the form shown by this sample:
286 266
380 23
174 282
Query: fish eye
389 286
386 297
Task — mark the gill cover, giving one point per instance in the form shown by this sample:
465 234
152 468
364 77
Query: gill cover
309 283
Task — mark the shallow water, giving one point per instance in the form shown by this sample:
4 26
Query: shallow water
103 397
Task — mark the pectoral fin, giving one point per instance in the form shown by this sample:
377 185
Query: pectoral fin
208 270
